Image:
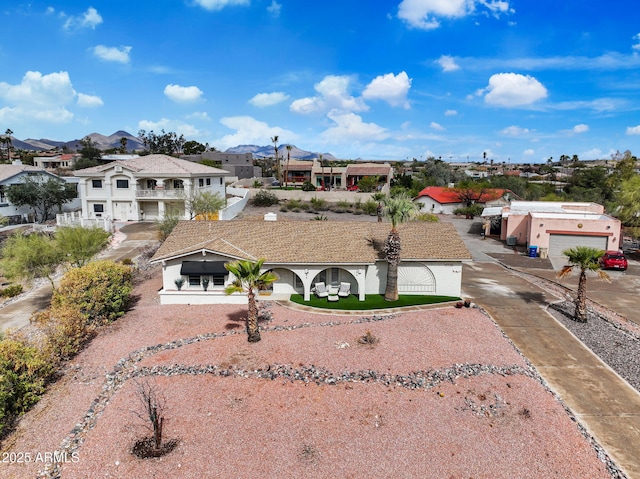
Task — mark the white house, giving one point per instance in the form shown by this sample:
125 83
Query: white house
145 188
303 253
15 174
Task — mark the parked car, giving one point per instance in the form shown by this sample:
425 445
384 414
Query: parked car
613 260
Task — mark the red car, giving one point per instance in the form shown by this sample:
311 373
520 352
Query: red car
613 260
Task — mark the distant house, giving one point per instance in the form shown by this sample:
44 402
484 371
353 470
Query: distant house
303 253
443 200
239 165
555 226
331 176
15 174
145 188
64 161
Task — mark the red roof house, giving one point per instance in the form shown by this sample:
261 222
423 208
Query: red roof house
443 200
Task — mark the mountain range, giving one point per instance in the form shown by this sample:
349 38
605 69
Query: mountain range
133 143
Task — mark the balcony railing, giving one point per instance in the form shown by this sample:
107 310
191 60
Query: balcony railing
159 193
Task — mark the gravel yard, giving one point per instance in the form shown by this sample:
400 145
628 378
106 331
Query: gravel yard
442 393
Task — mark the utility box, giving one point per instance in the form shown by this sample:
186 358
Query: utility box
512 240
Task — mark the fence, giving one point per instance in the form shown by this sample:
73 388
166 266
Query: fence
75 219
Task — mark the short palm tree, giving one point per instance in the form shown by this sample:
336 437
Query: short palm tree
399 209
586 259
248 279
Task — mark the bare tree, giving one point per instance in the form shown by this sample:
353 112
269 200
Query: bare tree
153 409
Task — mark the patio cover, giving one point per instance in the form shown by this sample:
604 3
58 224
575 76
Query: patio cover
206 268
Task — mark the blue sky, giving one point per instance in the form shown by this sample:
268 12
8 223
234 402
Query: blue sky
519 80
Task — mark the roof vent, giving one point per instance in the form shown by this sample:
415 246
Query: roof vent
118 169
270 217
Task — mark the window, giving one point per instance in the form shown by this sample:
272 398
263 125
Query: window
200 182
98 208
218 280
208 181
122 184
151 184
335 276
177 184
194 280
221 180
96 183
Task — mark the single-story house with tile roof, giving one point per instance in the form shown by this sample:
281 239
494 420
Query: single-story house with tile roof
554 226
303 253
443 200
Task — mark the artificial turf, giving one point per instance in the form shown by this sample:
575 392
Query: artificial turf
372 301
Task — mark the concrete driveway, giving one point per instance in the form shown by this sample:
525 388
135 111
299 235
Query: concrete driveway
605 404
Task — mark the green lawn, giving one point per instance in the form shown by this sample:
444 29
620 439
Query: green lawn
372 301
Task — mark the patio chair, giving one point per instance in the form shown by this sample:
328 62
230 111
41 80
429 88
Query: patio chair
320 290
344 290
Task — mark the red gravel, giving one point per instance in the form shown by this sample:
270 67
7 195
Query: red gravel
489 425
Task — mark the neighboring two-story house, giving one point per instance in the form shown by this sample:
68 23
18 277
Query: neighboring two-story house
145 188
15 174
239 165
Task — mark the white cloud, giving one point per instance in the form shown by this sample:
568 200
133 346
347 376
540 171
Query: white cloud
112 54
425 14
437 126
515 131
89 101
513 89
183 94
633 130
349 127
594 154
89 19
333 94
581 128
529 152
450 113
215 5
38 97
274 9
636 45
268 99
199 115
447 63
391 88
250 131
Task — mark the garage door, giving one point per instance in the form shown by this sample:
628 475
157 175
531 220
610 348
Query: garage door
560 243
415 278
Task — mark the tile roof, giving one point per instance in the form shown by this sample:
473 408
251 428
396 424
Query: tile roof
322 242
9 171
368 169
155 165
445 195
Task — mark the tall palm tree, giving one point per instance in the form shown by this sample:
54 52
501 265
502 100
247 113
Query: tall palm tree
286 170
399 209
248 279
274 140
586 259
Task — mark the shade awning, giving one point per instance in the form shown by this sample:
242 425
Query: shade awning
211 268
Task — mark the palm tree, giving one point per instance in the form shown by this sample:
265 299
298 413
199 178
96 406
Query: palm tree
399 209
286 170
248 278
274 140
585 258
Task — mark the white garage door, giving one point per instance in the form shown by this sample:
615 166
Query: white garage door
560 243
415 278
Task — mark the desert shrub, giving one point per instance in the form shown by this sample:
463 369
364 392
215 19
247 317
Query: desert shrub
345 205
24 372
370 207
65 329
127 261
78 245
427 217
284 208
294 203
265 198
12 290
166 225
307 186
318 204
469 211
100 289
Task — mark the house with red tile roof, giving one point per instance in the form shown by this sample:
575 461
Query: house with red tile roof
444 200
